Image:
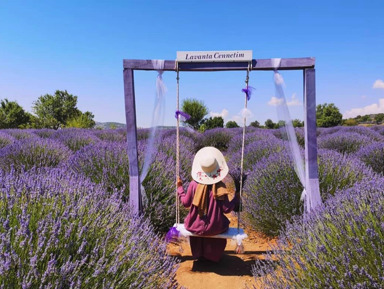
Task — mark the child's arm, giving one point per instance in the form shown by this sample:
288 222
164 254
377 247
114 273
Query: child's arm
185 198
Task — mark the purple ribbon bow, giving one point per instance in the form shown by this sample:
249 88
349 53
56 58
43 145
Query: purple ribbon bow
172 235
184 116
248 91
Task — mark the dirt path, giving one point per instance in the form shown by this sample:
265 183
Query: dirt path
232 272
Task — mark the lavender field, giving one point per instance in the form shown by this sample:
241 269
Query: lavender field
65 220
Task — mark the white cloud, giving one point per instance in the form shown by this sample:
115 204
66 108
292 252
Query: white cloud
363 96
370 109
223 113
239 118
294 101
378 84
275 101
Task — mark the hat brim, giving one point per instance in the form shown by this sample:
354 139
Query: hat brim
216 175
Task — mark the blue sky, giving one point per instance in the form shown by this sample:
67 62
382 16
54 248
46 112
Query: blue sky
79 46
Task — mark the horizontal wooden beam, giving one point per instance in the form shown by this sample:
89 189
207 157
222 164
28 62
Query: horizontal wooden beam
257 64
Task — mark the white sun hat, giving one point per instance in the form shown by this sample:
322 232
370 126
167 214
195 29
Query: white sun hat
209 166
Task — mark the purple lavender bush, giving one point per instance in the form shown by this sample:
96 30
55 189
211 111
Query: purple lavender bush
59 230
75 138
112 135
5 139
44 132
272 190
271 194
217 137
338 246
344 142
33 152
251 135
338 172
373 156
160 183
104 163
20 134
299 132
378 128
253 152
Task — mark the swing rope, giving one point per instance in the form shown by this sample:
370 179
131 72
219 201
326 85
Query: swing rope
242 148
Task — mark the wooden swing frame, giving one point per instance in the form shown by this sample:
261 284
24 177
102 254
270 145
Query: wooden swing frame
307 65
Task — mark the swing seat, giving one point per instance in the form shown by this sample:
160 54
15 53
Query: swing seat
231 233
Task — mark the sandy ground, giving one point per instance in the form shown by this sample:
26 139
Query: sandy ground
232 272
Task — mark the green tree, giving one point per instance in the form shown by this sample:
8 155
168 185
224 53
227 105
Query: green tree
55 110
197 110
231 124
297 123
84 120
12 115
269 124
328 115
350 122
379 118
255 123
212 122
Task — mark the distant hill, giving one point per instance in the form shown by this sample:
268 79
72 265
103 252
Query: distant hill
107 125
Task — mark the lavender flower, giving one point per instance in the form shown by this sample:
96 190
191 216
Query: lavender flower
344 142
112 135
75 138
105 163
5 139
33 152
75 235
373 156
338 246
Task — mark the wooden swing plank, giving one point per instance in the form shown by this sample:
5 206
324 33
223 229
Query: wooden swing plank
229 234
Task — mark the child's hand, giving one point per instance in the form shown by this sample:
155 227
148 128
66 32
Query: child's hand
179 183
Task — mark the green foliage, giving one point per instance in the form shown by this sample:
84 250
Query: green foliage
379 118
297 123
269 124
231 124
83 120
212 122
350 122
55 110
12 115
197 110
328 115
255 123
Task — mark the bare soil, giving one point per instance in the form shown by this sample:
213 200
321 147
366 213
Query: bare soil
232 272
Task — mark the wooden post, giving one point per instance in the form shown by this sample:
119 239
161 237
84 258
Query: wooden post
130 115
311 168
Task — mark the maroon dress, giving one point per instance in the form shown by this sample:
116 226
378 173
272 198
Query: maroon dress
215 222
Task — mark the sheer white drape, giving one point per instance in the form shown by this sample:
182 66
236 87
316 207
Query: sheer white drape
157 118
283 114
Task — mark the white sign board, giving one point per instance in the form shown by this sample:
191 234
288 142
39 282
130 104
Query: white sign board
215 56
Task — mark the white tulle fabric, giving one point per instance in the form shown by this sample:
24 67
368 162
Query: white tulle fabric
157 119
311 186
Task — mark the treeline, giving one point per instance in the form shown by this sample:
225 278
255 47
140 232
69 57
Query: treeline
369 119
49 111
327 115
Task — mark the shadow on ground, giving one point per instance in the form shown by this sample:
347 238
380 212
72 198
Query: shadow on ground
229 265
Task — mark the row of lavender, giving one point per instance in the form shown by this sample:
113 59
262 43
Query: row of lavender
348 158
64 222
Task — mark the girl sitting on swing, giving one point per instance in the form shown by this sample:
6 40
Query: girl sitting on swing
207 198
